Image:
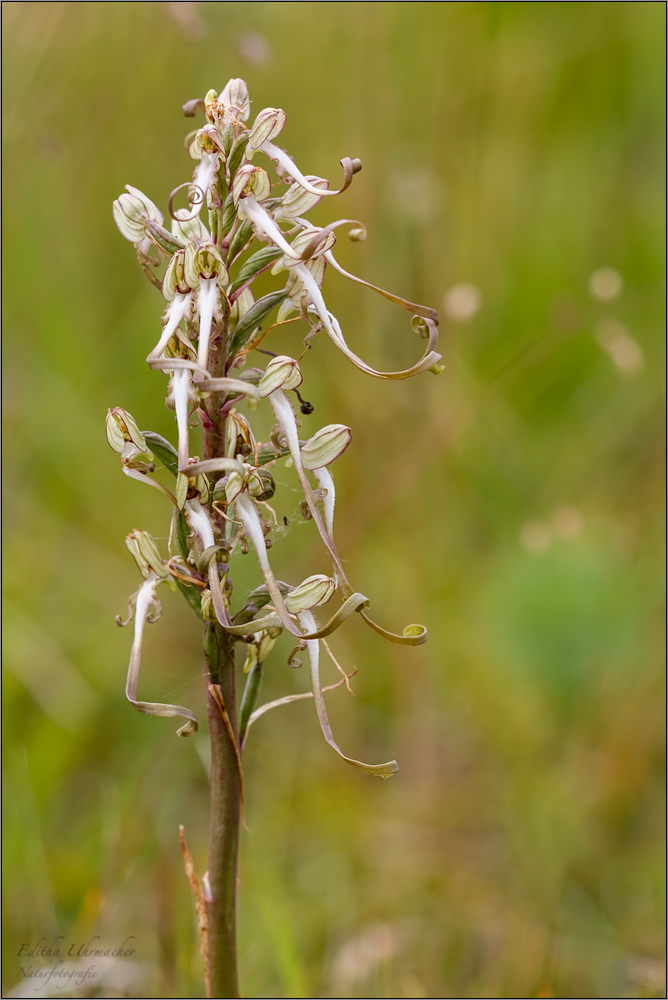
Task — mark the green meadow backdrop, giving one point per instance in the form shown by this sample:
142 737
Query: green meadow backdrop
513 179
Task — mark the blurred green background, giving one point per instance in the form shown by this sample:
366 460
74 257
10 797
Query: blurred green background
513 168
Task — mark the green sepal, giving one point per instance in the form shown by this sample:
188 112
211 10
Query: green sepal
255 263
163 450
252 319
267 453
163 238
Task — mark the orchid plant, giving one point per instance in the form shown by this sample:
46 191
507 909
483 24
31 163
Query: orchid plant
211 325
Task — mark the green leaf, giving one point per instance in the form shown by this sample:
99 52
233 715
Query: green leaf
255 263
180 532
252 319
229 215
163 450
236 154
242 236
163 238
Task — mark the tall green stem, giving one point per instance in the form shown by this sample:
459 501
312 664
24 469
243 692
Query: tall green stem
225 816
225 774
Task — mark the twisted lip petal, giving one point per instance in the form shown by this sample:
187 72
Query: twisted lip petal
313 646
145 599
286 418
412 307
350 168
207 297
428 359
248 514
413 635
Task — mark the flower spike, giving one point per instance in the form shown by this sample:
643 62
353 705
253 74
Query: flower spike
213 319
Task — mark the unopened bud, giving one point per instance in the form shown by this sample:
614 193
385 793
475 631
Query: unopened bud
174 280
281 373
251 180
210 104
131 211
268 124
124 436
314 591
261 485
145 553
325 446
235 94
265 646
296 201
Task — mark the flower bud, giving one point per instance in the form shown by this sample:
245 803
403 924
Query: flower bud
266 645
281 373
261 485
145 553
296 201
235 94
212 108
325 446
174 280
302 241
124 436
131 210
314 591
268 124
251 180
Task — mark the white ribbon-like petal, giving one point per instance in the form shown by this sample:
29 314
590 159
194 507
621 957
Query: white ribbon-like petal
145 599
207 299
176 311
181 384
313 648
